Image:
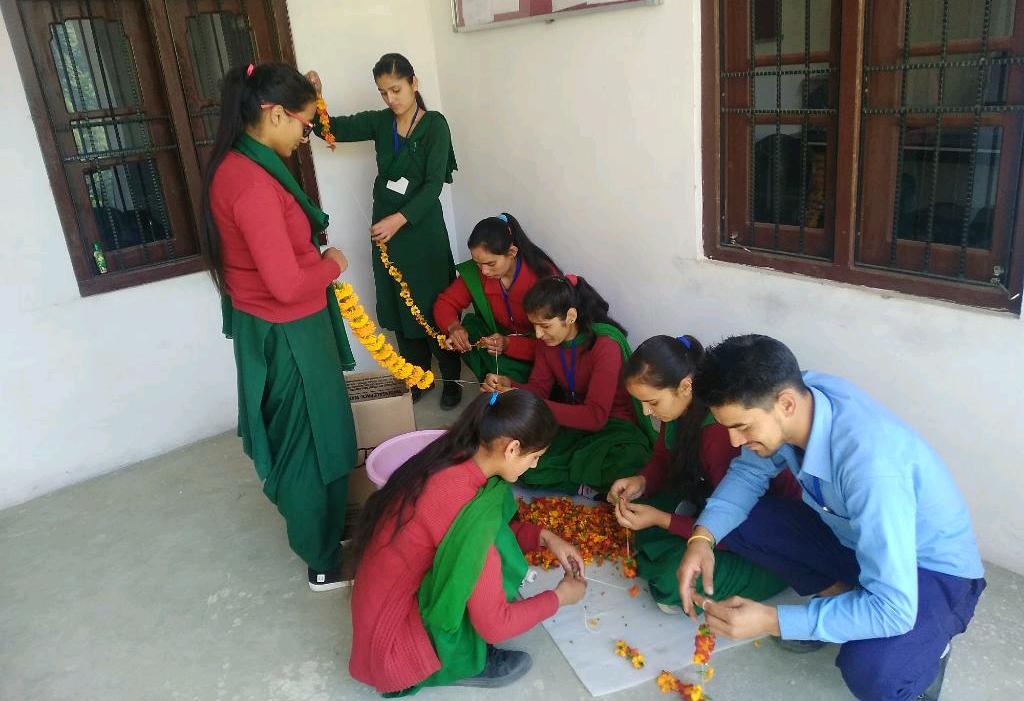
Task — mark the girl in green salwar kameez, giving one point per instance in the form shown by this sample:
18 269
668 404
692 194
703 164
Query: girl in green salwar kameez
415 159
294 416
690 458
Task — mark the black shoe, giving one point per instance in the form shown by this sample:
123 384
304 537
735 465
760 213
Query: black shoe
451 396
800 646
932 692
417 393
341 576
501 669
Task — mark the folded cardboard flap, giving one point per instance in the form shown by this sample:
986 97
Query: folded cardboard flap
382 409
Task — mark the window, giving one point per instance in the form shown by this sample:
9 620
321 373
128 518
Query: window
876 142
124 95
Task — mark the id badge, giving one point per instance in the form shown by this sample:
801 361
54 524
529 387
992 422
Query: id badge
399 186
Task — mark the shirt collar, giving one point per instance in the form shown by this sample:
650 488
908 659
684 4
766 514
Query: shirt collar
818 455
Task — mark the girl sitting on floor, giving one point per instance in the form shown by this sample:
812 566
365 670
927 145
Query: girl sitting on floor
441 560
690 459
602 434
504 265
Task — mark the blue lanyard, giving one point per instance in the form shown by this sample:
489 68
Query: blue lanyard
569 370
504 294
394 129
816 491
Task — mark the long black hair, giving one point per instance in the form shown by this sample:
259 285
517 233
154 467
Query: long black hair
241 97
662 362
497 234
516 415
398 66
555 296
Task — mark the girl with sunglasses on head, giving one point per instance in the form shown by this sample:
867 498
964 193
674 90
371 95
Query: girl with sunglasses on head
414 160
260 231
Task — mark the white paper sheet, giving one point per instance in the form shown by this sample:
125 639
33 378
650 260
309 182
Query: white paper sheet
477 12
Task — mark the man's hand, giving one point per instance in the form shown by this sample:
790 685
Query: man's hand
739 618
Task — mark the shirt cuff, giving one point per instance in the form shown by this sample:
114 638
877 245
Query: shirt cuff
795 622
720 524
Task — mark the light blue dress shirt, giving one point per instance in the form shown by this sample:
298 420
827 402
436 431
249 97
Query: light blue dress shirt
884 493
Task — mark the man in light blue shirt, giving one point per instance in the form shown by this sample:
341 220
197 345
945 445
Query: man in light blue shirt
882 537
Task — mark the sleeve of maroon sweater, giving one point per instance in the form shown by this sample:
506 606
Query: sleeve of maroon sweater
541 378
521 348
785 485
497 619
450 303
527 534
592 415
716 452
258 214
656 468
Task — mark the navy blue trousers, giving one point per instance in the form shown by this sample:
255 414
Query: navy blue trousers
787 537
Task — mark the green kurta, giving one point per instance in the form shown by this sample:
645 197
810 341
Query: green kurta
420 249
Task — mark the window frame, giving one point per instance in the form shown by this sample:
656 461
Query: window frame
164 48
843 266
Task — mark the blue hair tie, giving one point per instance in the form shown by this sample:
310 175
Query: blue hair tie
493 400
684 340
503 217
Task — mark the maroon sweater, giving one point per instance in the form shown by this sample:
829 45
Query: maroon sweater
390 647
599 394
450 303
272 270
716 452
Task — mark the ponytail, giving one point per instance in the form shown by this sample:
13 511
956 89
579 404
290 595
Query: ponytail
497 234
516 415
662 362
245 89
555 296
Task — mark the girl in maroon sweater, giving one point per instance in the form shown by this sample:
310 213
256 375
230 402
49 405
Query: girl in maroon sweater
440 559
690 458
294 416
504 265
576 371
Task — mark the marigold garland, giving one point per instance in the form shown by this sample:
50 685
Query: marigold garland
406 294
592 529
703 647
325 122
622 649
366 332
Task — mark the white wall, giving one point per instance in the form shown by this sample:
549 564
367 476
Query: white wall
342 46
588 130
90 384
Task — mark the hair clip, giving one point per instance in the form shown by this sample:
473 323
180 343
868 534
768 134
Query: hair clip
503 217
684 340
493 400
249 70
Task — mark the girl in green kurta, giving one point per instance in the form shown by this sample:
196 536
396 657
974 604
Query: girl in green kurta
690 458
415 159
294 416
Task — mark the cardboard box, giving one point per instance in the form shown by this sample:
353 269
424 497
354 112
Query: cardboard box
382 409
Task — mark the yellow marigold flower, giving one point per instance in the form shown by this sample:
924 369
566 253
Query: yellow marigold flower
365 332
427 381
358 321
344 291
405 372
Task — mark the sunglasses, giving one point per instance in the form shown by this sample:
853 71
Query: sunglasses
307 127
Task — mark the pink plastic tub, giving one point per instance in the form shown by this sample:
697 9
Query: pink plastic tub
389 455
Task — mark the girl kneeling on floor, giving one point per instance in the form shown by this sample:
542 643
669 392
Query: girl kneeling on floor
690 458
441 558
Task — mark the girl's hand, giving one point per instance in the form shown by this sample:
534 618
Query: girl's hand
337 256
314 78
495 343
627 489
458 338
570 590
385 230
568 556
637 517
496 383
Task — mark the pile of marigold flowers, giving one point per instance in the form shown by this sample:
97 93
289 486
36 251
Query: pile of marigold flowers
592 529
622 649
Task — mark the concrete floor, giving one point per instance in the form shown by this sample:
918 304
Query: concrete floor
172 580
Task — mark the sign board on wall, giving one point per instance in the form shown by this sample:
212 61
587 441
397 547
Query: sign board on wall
470 15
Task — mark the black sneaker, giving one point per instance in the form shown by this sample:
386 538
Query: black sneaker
800 646
417 393
341 576
932 692
451 396
502 668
